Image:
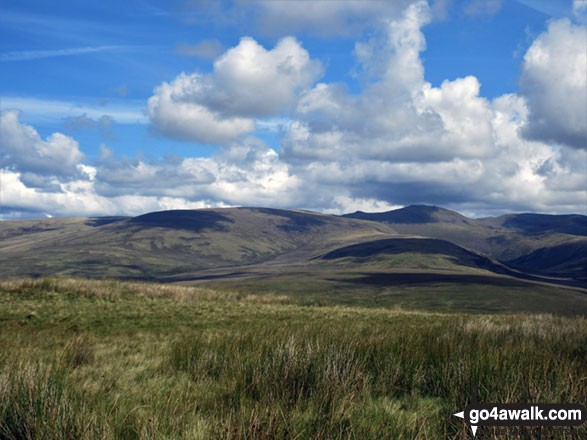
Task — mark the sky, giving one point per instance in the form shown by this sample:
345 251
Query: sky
122 108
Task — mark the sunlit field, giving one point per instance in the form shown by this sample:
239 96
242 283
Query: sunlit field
119 360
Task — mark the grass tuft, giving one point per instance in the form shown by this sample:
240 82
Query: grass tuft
38 402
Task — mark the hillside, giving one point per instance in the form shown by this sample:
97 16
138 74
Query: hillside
420 257
382 249
168 242
534 243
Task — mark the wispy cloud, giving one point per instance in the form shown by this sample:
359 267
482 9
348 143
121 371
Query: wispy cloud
25 55
40 110
556 9
207 49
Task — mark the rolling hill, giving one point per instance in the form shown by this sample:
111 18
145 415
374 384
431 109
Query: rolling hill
169 242
417 257
554 245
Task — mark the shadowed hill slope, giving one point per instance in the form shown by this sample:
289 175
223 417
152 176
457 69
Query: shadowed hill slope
568 259
423 246
535 243
540 223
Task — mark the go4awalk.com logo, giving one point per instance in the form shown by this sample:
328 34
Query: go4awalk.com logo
522 414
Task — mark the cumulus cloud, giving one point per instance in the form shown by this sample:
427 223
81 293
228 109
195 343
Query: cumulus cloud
117 176
243 74
78 198
555 85
403 141
399 141
398 116
248 173
219 108
176 116
39 161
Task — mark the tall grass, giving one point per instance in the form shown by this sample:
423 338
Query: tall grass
327 376
216 365
37 402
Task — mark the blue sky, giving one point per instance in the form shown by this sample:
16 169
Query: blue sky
125 107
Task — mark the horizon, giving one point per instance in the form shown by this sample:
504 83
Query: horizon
332 106
291 209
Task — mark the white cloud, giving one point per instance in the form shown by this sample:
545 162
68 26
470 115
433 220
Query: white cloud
398 116
345 204
466 117
399 141
79 198
555 85
177 116
248 81
248 174
116 176
403 141
22 149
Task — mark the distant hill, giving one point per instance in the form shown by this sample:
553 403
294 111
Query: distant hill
169 242
540 223
569 259
418 255
454 256
415 214
534 243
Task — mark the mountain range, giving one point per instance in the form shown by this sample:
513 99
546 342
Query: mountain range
417 257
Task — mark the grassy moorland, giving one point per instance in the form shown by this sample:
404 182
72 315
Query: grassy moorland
114 360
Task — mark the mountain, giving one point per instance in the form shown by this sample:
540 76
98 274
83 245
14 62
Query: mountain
415 257
569 259
169 242
381 250
553 245
415 214
540 223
